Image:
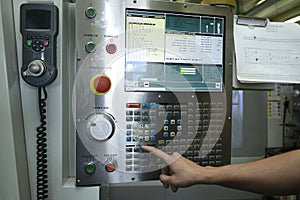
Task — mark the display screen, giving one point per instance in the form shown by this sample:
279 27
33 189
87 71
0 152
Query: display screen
38 19
168 51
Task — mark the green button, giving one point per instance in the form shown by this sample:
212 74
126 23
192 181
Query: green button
29 42
90 168
90 47
90 12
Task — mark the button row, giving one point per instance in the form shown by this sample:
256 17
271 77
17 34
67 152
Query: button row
185 106
37 43
90 168
137 161
152 116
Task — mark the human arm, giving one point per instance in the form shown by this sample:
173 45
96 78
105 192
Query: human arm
274 175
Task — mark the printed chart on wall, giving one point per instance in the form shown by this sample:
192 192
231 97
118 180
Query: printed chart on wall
268 53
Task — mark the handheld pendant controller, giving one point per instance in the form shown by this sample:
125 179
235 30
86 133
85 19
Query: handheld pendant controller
39 27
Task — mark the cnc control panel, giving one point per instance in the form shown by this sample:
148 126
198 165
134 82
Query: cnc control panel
150 73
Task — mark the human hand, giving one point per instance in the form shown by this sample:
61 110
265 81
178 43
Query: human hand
180 171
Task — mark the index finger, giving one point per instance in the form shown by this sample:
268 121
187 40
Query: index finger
167 158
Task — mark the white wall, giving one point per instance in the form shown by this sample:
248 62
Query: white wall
14 182
61 179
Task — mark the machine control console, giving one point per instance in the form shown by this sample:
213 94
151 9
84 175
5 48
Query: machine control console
157 74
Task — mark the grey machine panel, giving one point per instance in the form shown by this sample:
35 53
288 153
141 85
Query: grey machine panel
154 73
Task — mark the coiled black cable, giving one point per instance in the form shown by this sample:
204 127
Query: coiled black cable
41 154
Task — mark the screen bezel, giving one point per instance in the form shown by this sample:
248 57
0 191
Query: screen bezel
38 15
189 14
53 30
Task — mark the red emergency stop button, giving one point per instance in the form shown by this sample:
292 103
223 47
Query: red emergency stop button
100 84
110 167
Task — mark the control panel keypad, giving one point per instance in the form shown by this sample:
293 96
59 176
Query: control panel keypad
191 129
37 43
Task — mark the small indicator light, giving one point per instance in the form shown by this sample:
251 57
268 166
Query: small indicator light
90 47
90 168
90 12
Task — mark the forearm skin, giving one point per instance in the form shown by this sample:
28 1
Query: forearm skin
278 175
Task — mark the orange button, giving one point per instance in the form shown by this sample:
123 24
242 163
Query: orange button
102 84
110 167
133 105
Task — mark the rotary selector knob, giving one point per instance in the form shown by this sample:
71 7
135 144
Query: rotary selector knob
101 127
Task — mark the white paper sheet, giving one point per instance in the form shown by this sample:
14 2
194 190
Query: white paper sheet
268 54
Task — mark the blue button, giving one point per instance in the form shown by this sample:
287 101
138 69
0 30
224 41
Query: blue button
152 105
145 105
152 132
153 126
128 132
166 134
152 138
128 139
179 134
128 126
179 121
166 122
